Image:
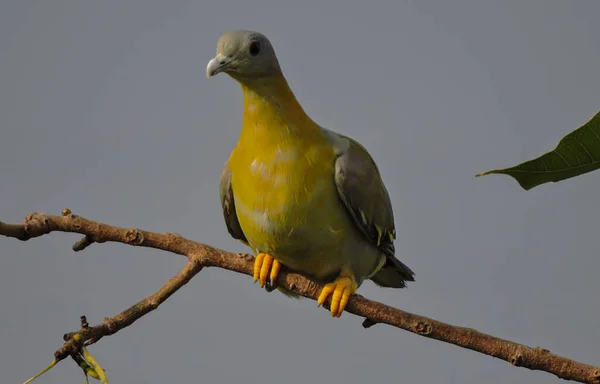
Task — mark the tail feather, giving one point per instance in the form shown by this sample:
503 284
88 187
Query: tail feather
393 274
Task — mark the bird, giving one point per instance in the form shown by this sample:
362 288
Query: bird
301 196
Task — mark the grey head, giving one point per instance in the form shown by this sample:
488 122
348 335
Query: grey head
244 54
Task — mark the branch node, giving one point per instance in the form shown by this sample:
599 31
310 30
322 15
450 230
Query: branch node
423 328
516 358
595 377
82 244
368 323
152 303
33 222
84 323
76 224
134 237
66 212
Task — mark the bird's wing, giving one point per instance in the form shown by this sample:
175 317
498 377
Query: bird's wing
228 205
362 191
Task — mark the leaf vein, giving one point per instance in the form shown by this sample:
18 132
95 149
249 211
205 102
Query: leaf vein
563 159
595 164
587 125
584 148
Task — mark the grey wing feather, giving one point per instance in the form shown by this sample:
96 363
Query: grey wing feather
362 191
228 205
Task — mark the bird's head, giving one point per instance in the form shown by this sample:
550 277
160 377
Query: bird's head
244 55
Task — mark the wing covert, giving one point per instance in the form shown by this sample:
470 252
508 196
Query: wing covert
228 205
361 188
363 192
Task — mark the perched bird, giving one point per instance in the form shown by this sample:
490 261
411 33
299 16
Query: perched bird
298 194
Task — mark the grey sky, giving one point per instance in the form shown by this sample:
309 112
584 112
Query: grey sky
105 109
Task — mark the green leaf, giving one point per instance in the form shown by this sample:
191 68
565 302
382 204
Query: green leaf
49 367
94 365
576 154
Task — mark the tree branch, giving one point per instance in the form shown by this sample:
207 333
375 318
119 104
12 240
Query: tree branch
200 255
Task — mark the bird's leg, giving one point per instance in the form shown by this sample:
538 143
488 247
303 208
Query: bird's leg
266 266
340 289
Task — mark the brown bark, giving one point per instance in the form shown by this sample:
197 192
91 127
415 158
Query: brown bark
201 255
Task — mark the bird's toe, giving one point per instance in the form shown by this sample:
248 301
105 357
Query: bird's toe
266 267
340 291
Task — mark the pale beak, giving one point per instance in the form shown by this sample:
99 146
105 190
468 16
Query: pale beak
217 65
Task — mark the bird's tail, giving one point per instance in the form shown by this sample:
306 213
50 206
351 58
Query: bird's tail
393 274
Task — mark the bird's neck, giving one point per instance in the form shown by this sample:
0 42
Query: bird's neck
272 114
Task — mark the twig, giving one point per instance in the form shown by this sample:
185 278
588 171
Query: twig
111 325
200 255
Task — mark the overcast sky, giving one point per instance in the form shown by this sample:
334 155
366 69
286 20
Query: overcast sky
105 109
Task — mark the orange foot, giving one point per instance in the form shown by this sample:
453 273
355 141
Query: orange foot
341 288
262 265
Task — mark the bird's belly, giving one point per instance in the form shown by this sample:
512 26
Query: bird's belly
300 222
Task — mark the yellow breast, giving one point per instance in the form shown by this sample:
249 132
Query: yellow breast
282 176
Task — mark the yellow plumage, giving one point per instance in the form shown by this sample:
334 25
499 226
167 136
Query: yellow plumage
296 193
286 176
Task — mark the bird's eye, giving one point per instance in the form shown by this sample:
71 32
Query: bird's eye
254 48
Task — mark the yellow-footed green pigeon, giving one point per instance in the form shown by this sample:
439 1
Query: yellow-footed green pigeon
297 194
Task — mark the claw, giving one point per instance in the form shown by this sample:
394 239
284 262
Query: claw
340 289
265 266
